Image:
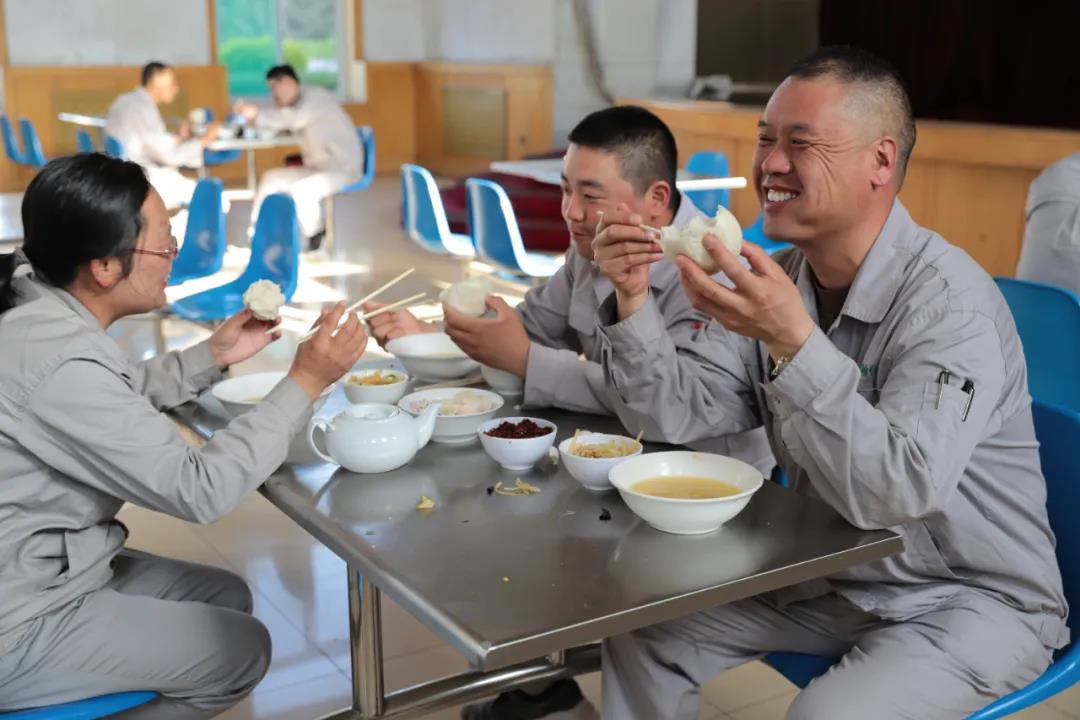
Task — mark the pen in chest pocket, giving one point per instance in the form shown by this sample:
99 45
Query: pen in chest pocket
968 388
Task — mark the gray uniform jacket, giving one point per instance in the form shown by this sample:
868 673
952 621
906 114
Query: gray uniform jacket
1051 250
328 138
855 421
81 433
561 317
134 120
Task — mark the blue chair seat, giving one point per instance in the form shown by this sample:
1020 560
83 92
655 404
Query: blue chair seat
1058 431
11 144
203 250
84 143
275 256
219 157
756 234
496 233
425 217
709 163
89 709
32 144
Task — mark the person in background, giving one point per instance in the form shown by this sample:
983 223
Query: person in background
82 432
330 146
135 120
887 371
1051 250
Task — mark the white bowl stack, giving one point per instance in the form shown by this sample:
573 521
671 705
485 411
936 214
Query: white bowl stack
431 356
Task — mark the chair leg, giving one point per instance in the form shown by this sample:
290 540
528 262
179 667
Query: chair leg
328 218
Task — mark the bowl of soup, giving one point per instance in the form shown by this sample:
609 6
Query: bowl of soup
432 356
685 492
378 385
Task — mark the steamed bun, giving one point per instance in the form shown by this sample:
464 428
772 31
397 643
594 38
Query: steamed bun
264 299
468 296
688 240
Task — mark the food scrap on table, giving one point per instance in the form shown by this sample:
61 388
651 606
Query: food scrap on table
605 515
520 488
426 504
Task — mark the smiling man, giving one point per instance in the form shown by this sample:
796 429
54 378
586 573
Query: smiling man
886 369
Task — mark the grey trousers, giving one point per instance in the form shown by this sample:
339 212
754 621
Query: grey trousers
180 629
943 665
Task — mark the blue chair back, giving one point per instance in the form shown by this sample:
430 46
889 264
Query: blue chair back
367 139
756 234
494 225
275 246
712 164
203 250
425 217
114 147
89 709
1058 431
84 143
32 143
1048 321
11 145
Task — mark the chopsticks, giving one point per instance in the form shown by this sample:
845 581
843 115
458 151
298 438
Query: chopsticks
400 304
385 287
471 380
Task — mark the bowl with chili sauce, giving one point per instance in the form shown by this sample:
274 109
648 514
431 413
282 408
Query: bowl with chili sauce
517 443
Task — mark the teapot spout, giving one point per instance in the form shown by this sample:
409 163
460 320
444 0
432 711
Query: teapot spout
425 424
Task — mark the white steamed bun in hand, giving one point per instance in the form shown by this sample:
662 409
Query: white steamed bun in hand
468 296
264 298
688 240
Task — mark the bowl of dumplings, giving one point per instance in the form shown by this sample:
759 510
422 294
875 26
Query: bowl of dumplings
431 356
461 412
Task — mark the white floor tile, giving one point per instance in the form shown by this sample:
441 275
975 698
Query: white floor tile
774 709
1042 712
311 699
745 685
1068 701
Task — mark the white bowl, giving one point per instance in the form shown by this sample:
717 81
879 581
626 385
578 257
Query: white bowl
517 454
502 382
382 394
593 472
451 429
686 517
431 356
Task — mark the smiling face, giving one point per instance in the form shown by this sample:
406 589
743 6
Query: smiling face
592 183
820 164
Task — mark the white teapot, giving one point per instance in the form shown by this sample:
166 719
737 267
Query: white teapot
373 438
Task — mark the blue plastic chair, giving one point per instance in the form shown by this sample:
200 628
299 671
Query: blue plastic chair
367 139
11 144
217 157
756 234
89 709
114 147
709 163
32 144
275 256
495 231
1058 431
204 237
1048 320
425 217
83 142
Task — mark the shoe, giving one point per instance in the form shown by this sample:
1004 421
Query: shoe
562 700
315 241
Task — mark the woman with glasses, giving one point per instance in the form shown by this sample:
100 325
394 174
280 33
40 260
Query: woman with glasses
81 433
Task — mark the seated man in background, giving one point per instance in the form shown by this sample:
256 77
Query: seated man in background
620 160
887 371
329 144
134 120
1051 250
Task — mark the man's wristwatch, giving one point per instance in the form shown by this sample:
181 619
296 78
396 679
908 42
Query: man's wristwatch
779 364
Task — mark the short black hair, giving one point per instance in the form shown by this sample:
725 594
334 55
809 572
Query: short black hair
855 66
641 141
281 71
151 69
78 208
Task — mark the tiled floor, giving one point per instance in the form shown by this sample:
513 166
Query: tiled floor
300 587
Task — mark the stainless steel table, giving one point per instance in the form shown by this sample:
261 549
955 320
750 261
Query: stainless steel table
507 580
249 146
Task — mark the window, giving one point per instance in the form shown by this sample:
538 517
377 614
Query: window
254 35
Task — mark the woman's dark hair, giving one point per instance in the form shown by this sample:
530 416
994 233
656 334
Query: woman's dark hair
77 209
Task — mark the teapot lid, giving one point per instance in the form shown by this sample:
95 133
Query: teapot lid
371 411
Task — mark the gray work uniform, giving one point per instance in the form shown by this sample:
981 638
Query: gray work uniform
974 606
81 432
560 317
331 148
1051 250
134 120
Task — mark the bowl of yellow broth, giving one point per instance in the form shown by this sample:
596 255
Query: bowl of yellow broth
685 492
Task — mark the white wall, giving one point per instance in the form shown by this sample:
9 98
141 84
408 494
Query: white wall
394 30
490 31
107 32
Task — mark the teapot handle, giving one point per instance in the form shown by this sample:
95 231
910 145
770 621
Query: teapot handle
319 424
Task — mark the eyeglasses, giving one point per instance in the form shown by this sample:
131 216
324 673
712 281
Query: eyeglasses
171 253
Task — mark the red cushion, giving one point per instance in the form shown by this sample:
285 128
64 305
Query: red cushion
537 206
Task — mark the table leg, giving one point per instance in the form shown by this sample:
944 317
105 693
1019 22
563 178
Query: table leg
251 171
365 636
